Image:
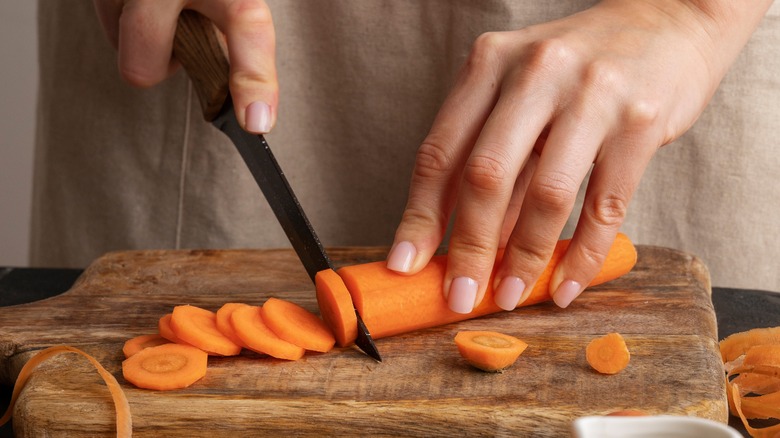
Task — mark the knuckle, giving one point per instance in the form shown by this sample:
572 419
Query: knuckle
472 245
250 12
609 210
553 192
589 255
641 114
488 172
528 259
422 218
603 75
551 54
433 159
484 52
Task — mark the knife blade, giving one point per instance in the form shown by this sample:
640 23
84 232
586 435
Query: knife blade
201 54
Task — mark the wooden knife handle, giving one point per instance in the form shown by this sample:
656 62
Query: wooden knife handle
199 50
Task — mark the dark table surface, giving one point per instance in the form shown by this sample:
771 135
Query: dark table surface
737 310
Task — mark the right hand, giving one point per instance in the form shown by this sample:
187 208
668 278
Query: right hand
143 30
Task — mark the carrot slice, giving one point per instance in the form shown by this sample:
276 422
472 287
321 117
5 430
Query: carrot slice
608 354
138 343
165 330
124 421
165 367
223 322
198 327
249 326
391 303
336 306
489 351
297 325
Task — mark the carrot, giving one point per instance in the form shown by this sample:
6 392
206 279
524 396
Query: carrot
336 306
489 351
198 327
138 343
249 327
124 421
737 344
223 322
608 354
165 367
391 303
165 330
297 325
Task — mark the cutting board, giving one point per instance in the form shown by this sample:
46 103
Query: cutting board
422 387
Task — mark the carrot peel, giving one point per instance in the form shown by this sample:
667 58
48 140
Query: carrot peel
124 422
489 351
608 354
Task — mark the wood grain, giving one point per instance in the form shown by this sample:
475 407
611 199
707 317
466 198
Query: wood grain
423 387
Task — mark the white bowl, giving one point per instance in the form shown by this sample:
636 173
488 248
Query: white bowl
667 426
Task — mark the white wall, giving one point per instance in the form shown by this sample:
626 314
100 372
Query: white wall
18 88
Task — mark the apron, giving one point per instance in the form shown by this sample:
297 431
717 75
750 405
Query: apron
120 168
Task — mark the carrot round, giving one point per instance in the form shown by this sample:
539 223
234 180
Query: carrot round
608 354
138 343
124 421
489 351
249 326
198 327
391 303
336 306
165 367
297 325
165 330
224 325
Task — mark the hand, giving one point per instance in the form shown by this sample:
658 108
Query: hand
529 115
143 30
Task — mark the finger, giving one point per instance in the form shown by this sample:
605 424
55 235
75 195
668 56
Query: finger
571 147
251 42
439 160
146 29
108 12
616 175
489 178
516 202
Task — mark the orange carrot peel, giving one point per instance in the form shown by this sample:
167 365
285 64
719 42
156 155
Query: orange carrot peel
751 362
391 303
124 422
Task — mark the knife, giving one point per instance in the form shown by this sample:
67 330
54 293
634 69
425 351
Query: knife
199 50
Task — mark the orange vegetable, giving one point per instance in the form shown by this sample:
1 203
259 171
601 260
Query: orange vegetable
249 326
489 351
165 330
297 325
336 306
198 327
165 367
391 303
752 363
223 322
124 422
608 354
138 343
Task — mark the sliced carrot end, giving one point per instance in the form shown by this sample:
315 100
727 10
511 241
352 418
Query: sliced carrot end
489 351
608 354
336 306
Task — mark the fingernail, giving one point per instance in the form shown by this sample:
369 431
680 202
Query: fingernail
258 117
401 257
509 291
566 293
463 294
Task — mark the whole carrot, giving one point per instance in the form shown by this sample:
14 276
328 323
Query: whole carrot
391 303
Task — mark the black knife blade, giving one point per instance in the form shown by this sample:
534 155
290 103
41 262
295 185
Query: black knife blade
197 48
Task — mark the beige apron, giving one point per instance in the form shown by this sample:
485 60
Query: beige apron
122 168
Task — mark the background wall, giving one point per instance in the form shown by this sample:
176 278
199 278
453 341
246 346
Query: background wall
18 88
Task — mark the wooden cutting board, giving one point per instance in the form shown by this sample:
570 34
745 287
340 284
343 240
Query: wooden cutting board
423 387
